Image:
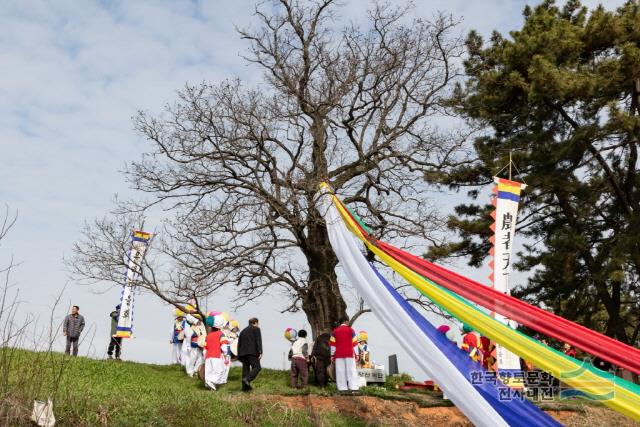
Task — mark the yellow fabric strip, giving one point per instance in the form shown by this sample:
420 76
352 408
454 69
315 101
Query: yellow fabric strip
502 181
569 372
122 334
509 189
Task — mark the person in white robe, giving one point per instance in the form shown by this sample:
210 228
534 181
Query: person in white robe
177 338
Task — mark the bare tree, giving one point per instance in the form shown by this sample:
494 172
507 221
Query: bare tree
103 255
239 168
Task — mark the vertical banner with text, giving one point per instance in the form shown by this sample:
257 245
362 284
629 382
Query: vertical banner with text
506 200
140 241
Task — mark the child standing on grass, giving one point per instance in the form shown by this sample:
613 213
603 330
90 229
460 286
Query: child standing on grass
299 356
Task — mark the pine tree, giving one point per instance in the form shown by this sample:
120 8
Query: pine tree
563 94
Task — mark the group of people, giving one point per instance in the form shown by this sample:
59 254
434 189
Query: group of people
482 350
216 341
342 351
208 346
73 325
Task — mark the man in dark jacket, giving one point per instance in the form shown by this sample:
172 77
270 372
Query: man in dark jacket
72 327
250 353
321 357
114 342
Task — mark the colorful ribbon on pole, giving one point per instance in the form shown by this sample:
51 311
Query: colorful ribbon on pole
449 366
533 317
614 392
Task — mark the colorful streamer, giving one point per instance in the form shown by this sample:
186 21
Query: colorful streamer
442 360
140 241
533 317
620 395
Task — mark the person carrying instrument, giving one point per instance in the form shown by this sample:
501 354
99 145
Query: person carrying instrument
177 337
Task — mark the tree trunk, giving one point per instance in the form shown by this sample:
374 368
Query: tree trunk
322 303
615 324
634 335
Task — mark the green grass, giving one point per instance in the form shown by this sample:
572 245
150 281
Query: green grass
99 392
88 392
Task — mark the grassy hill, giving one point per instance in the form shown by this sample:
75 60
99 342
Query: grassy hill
98 392
105 392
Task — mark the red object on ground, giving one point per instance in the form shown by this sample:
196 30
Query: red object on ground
412 385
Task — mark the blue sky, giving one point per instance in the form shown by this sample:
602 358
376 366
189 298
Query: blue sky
73 75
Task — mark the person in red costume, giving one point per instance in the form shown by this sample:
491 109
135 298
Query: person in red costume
344 345
216 348
569 350
471 343
487 348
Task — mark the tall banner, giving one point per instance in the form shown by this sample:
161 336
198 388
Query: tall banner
506 200
139 244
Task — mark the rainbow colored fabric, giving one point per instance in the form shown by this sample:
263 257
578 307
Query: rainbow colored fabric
616 393
483 402
509 190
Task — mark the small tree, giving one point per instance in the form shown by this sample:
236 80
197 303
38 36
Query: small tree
240 168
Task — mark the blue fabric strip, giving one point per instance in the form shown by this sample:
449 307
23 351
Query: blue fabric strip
515 412
508 196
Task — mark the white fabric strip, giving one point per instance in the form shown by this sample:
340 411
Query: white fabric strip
423 351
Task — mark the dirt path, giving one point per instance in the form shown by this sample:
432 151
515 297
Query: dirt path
376 411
